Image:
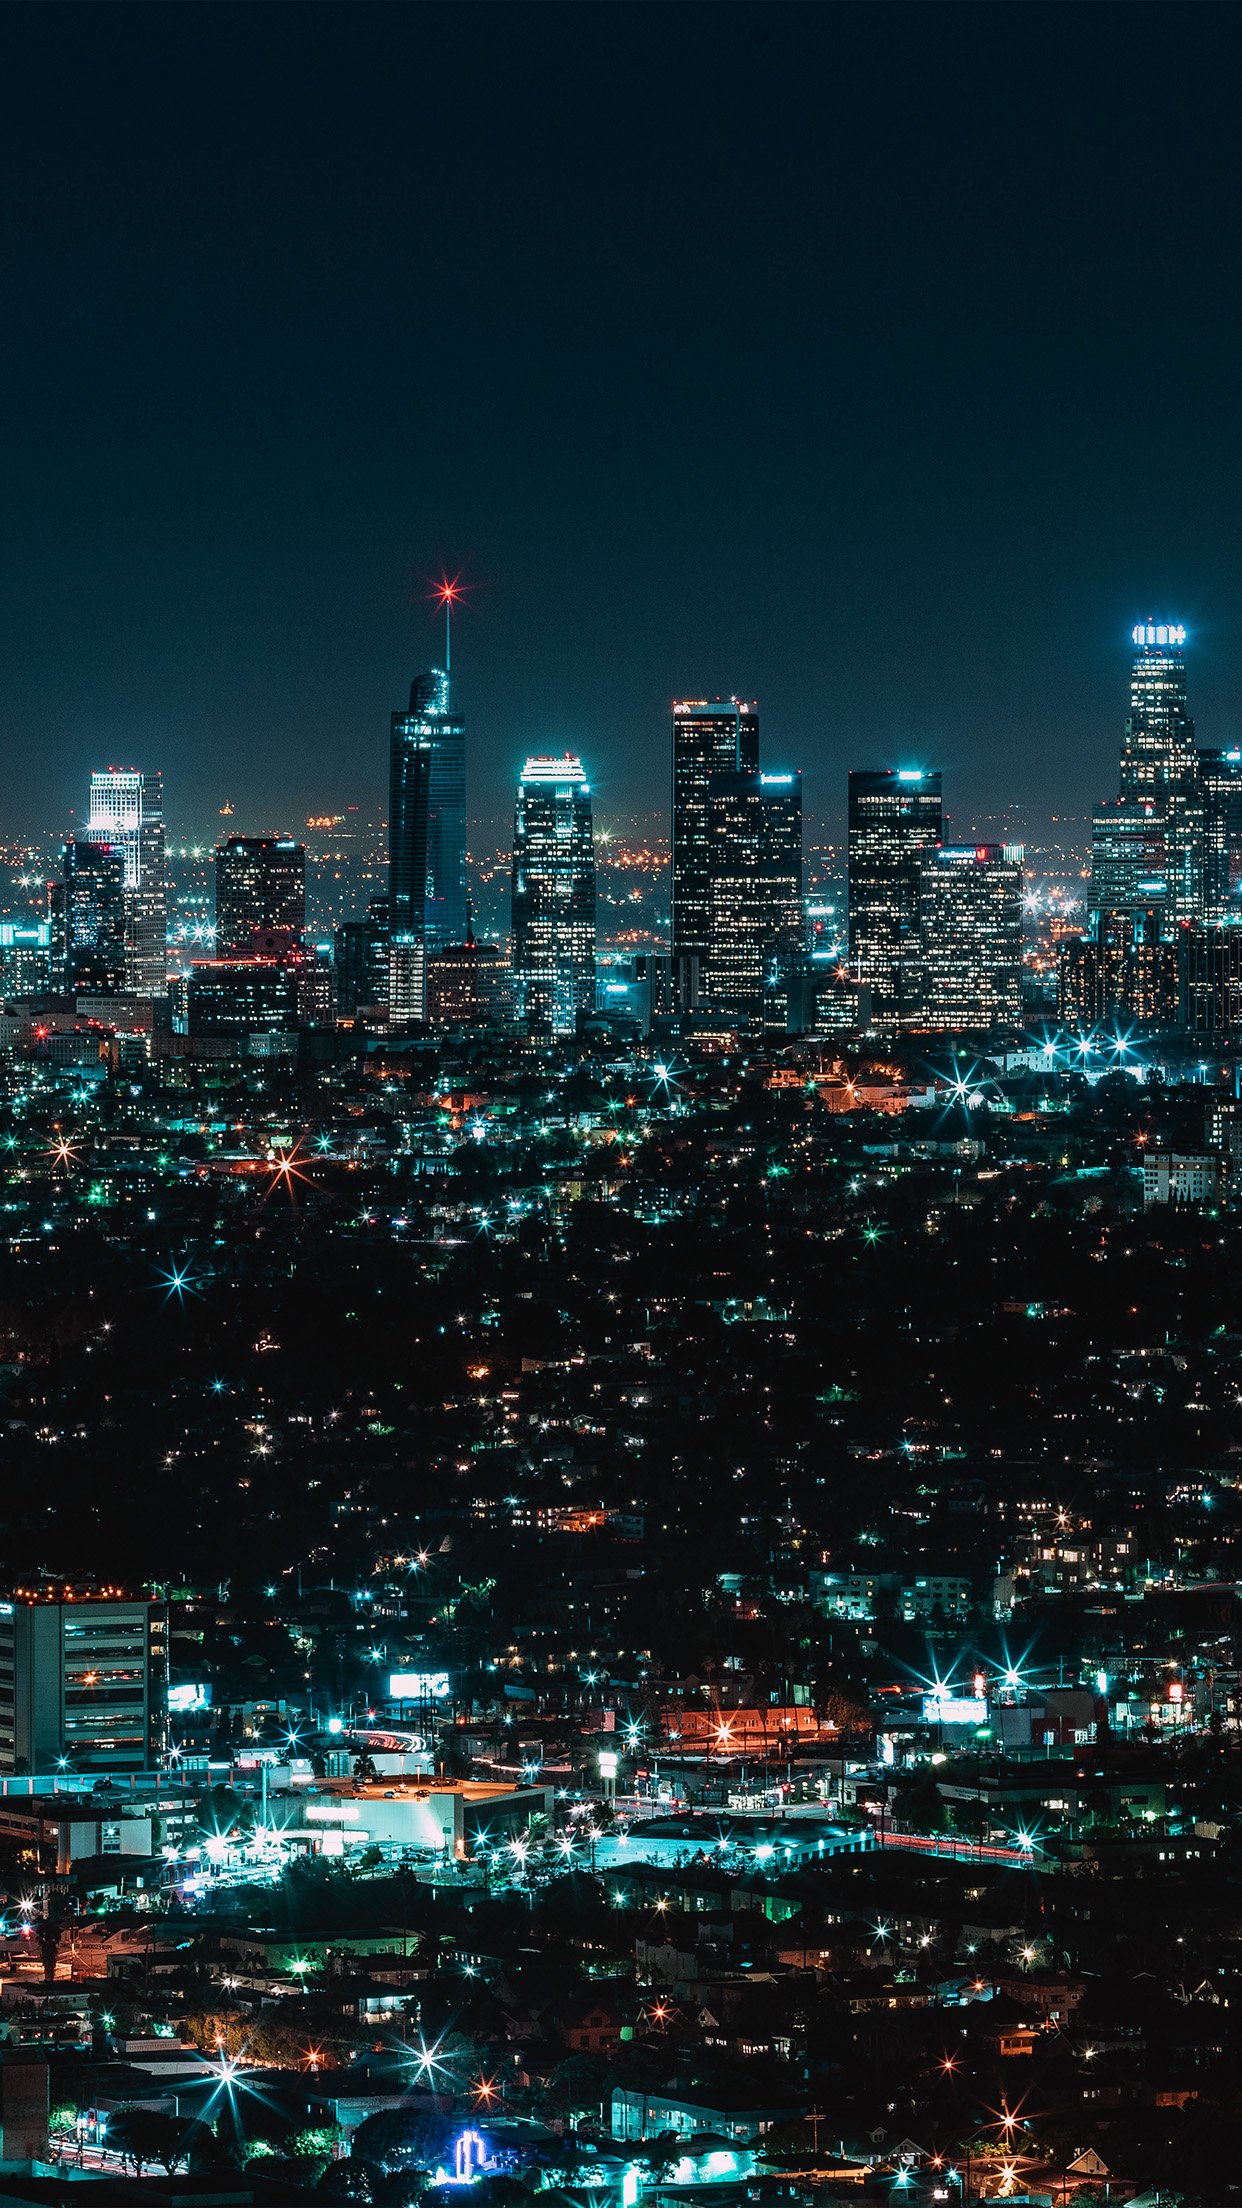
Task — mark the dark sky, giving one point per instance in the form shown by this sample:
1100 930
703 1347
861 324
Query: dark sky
882 363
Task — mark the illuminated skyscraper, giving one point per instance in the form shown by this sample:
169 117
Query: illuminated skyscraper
710 736
756 929
409 833
436 847
1148 847
96 919
260 884
553 947
970 917
127 812
895 816
1220 773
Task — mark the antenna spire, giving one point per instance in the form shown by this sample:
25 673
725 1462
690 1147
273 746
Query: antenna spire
448 594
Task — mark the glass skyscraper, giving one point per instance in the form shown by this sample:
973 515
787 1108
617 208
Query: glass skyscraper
710 736
434 847
96 919
260 885
895 816
756 930
1148 848
970 912
553 946
127 812
1220 773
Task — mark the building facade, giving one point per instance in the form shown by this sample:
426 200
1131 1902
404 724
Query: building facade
1210 981
895 816
756 927
96 921
86 1682
1148 847
710 737
553 910
1123 968
468 985
127 812
434 846
26 956
260 884
241 996
1220 773
970 917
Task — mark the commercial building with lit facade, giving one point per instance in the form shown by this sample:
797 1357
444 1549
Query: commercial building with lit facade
427 817
468 985
25 958
127 813
895 816
1210 981
260 884
970 925
463 1818
240 996
1124 967
711 736
553 938
1148 846
95 920
83 1685
1220 773
756 926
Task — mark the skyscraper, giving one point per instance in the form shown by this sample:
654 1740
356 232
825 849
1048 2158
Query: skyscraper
1147 849
127 812
1220 774
756 931
710 736
260 884
96 919
409 844
553 948
970 922
431 724
895 816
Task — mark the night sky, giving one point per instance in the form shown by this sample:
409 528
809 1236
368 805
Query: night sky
881 363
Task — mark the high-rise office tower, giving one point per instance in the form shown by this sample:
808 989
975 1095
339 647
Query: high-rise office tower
26 956
710 736
96 919
83 1681
409 847
127 811
756 931
1148 847
260 885
360 956
431 724
1220 775
895 816
1122 967
970 924
553 947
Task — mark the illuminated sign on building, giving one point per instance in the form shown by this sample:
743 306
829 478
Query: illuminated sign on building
1158 632
417 1686
189 1698
954 1709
